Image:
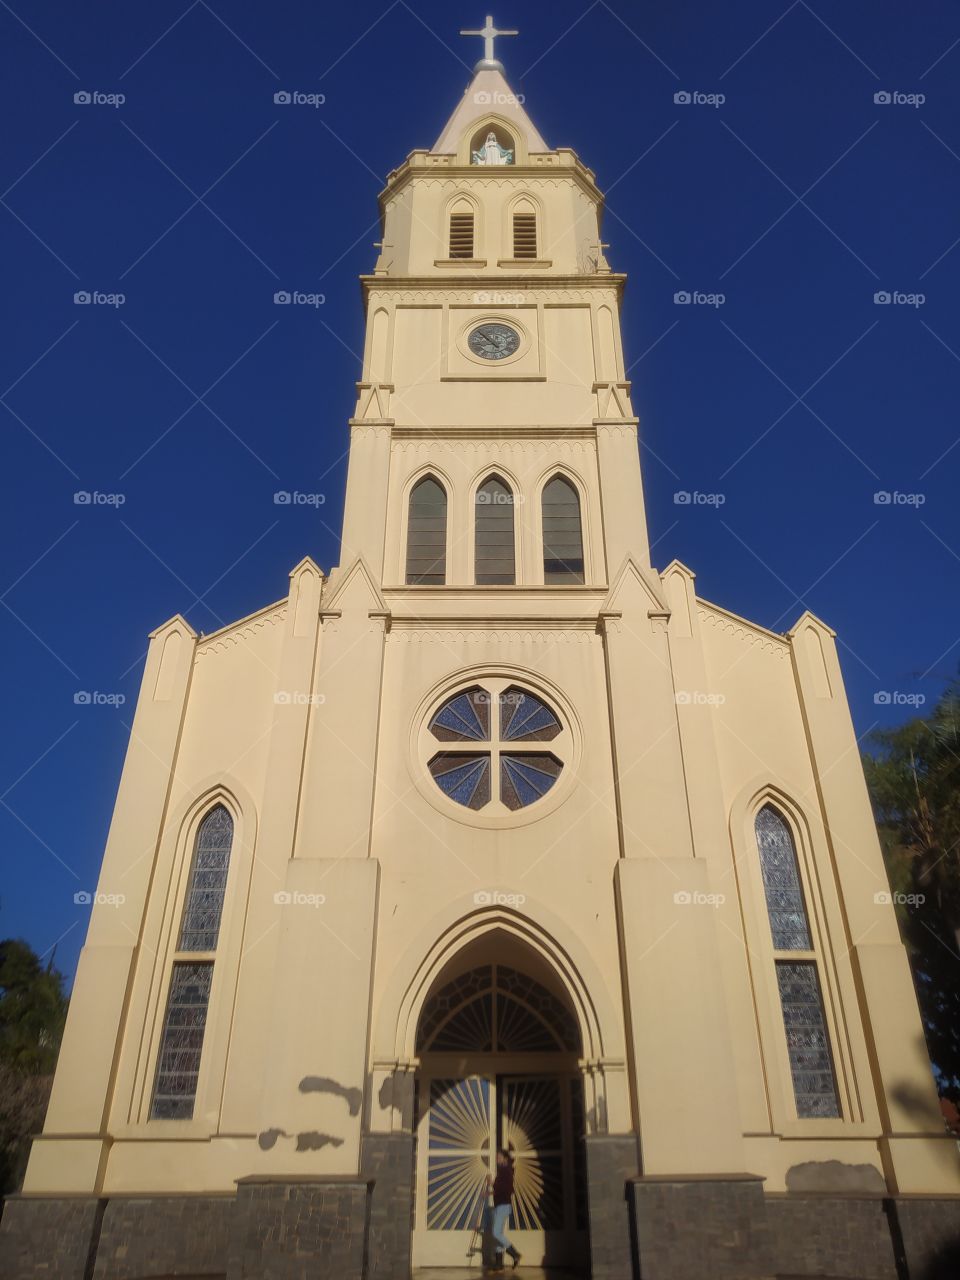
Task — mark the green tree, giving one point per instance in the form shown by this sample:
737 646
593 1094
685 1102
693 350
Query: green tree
33 1008
914 778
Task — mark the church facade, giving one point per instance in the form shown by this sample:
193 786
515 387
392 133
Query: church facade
492 836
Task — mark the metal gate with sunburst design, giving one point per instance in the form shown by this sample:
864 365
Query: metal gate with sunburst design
499 1069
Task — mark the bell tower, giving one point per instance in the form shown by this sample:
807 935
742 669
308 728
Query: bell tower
493 344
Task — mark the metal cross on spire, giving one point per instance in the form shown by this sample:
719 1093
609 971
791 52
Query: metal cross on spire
489 32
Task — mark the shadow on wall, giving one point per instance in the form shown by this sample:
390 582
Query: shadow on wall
945 1266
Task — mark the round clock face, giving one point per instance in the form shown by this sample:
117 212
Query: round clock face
493 341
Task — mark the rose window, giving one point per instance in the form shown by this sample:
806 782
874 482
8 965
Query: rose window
490 735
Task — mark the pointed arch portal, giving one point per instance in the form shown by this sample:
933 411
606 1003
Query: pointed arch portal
499 1046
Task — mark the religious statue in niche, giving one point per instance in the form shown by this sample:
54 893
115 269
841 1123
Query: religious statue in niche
492 153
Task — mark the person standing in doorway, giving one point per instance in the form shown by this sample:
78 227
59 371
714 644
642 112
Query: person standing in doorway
502 1188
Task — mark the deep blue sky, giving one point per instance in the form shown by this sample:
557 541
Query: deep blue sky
798 198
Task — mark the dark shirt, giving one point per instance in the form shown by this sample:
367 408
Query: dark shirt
503 1185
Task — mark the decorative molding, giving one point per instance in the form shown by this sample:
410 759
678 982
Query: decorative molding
400 634
373 401
220 641
574 448
552 290
509 434
743 630
624 427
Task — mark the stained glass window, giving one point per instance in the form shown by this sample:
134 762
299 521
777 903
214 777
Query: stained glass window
781 883
494 551
808 1042
524 717
208 881
464 778
427 534
182 1043
473 777
467 716
524 779
798 981
562 534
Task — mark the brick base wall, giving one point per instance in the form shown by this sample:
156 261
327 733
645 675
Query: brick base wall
929 1231
686 1229
823 1235
387 1159
164 1235
299 1230
659 1228
48 1238
611 1161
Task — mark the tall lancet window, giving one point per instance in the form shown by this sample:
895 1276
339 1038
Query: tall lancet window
798 978
181 1046
427 534
494 554
562 533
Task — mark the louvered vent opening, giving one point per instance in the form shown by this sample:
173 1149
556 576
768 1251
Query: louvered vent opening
524 235
461 235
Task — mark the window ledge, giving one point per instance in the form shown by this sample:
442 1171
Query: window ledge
520 264
459 262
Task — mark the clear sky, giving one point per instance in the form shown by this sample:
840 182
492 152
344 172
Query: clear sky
797 196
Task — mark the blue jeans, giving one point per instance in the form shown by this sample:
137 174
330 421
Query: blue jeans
498 1225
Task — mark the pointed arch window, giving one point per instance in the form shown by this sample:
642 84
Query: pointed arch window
494 549
525 234
191 976
461 243
427 534
562 533
797 969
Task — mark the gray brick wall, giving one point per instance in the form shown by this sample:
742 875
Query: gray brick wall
930 1231
831 1235
388 1159
164 1235
48 1238
611 1161
299 1230
690 1229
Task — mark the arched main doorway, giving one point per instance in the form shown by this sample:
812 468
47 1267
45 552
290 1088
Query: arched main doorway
499 1049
